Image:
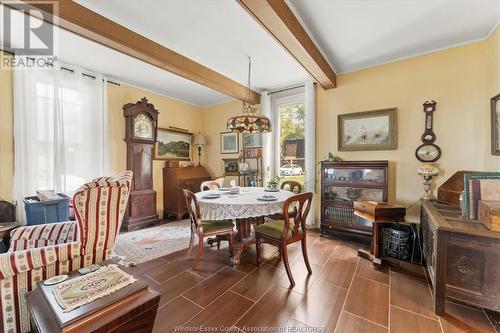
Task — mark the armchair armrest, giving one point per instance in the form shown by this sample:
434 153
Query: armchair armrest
60 232
12 263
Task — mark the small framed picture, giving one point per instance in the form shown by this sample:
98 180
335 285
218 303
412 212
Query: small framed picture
495 125
252 140
229 143
368 130
230 166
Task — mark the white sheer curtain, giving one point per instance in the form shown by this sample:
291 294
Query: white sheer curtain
267 138
60 131
310 145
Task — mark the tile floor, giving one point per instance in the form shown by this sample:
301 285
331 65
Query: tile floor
344 294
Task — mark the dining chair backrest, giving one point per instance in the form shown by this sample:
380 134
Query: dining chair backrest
292 186
193 207
220 180
209 185
301 204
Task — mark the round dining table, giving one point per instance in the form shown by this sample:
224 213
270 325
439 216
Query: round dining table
243 208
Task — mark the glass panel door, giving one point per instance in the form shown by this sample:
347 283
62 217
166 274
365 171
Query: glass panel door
291 139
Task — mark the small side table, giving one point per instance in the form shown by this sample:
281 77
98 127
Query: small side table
5 229
377 214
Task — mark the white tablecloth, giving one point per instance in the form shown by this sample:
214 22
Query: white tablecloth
244 205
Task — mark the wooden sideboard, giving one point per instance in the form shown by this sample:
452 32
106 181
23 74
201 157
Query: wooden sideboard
174 180
462 257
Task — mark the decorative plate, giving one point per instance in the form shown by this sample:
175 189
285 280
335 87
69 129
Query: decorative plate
269 189
211 196
267 198
55 280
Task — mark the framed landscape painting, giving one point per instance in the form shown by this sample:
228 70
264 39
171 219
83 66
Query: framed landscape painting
495 125
229 143
173 145
368 130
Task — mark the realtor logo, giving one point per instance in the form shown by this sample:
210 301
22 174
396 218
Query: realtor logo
25 30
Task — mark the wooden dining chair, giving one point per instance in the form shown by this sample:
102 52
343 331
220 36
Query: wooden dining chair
204 228
209 185
292 186
281 233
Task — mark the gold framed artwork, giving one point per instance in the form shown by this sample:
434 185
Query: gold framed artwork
173 144
368 130
495 125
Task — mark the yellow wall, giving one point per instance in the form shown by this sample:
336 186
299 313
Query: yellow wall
492 162
172 113
6 136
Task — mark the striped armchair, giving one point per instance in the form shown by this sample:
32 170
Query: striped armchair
39 252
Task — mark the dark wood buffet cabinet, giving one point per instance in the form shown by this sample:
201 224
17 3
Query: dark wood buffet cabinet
174 180
462 257
344 182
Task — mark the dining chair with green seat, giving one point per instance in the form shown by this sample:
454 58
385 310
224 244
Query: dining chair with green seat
203 228
282 233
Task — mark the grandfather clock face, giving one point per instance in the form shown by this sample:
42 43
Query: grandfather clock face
143 127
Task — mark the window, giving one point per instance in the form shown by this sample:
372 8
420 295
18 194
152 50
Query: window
61 131
290 138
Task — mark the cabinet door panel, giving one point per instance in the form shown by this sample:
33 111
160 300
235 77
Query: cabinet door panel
142 164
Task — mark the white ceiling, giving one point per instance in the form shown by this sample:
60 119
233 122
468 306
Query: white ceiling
355 34
216 33
220 35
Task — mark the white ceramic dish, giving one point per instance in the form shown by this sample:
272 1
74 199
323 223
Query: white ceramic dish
55 280
211 196
267 198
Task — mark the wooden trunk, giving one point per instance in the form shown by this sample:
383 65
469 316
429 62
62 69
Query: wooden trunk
462 257
489 214
176 179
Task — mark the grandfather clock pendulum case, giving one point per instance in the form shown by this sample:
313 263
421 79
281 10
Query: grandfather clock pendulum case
140 135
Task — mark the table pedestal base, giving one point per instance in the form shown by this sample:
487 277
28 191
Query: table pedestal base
244 237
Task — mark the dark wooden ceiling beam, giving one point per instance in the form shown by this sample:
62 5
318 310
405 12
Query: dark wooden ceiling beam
277 18
88 24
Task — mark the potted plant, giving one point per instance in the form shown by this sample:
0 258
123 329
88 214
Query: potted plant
274 183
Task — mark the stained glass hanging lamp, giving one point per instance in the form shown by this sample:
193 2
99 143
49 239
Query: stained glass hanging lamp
249 121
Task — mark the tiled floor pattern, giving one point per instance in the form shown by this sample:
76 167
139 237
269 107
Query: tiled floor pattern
344 294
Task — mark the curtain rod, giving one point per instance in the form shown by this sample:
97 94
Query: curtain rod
68 69
286 89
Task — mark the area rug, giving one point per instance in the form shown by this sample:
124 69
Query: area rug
146 244
87 288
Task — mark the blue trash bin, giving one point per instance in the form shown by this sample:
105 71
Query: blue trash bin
42 212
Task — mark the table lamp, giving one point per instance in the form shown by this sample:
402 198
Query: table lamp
199 140
427 171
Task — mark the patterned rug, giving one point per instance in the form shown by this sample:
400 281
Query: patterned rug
149 243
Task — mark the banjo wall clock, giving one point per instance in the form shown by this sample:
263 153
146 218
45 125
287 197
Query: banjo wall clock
428 151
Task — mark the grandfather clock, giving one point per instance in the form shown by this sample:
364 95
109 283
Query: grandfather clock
140 136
